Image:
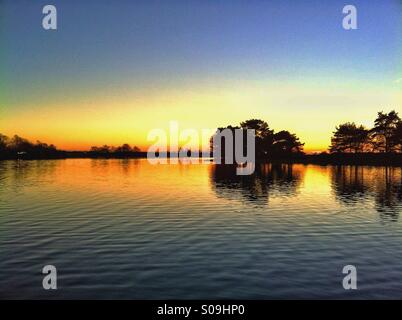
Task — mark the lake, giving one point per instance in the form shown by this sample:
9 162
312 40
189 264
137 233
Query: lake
128 229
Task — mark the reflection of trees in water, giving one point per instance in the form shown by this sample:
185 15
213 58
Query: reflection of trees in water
18 174
124 165
383 184
348 183
3 181
24 170
267 179
389 199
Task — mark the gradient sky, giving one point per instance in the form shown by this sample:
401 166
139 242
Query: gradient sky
116 69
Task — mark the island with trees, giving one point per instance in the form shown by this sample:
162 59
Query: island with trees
20 148
350 143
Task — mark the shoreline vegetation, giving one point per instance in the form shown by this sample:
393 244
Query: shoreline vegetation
351 144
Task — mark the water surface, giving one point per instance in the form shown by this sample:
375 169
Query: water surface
128 229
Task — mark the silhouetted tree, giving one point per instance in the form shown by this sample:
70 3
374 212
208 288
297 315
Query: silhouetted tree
19 144
123 148
385 129
264 136
4 140
214 144
44 146
397 137
267 142
349 138
17 147
105 150
286 143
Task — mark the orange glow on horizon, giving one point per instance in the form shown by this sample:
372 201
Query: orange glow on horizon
310 110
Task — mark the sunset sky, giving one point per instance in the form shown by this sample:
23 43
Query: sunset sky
114 70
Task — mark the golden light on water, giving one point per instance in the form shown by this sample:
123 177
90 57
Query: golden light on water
276 184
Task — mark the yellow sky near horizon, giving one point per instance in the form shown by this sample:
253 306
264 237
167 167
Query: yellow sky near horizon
309 110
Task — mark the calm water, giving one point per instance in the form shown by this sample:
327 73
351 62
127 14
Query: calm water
127 229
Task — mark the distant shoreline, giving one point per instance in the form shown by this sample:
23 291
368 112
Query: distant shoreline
377 159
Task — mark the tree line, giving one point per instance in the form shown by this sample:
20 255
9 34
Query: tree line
19 146
384 137
105 149
268 143
348 138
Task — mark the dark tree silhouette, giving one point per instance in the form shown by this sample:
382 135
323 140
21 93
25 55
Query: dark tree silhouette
397 137
102 150
286 143
214 144
17 147
124 148
4 140
264 136
385 136
384 131
261 128
19 144
349 138
267 142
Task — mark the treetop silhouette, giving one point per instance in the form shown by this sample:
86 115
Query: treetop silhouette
385 136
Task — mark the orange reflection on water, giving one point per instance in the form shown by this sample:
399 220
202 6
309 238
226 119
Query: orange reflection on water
309 187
